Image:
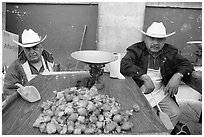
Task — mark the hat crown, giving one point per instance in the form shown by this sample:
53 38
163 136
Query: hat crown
157 29
29 36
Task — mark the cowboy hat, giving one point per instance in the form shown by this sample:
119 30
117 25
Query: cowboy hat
29 39
157 30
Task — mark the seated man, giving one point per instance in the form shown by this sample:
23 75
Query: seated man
159 68
32 60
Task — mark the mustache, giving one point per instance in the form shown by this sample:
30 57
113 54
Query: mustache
155 45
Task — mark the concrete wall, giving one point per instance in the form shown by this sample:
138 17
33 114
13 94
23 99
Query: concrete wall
118 25
3 16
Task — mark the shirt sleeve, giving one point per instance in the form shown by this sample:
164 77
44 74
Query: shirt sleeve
128 66
183 66
13 75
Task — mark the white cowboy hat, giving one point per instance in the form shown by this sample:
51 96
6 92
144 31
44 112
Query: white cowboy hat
29 38
157 30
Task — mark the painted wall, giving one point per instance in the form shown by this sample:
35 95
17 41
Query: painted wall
118 25
111 26
186 21
62 23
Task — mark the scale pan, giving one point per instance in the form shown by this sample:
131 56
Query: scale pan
94 56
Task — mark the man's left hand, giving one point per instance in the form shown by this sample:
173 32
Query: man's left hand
173 84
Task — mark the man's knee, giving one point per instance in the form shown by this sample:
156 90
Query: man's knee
175 115
176 112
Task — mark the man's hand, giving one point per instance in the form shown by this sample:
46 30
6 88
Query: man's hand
148 83
173 84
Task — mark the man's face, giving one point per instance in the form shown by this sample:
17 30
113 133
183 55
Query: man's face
34 53
154 44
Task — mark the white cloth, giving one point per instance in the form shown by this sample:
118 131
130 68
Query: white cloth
27 69
115 68
158 92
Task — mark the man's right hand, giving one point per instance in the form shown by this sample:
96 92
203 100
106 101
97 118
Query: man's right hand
148 83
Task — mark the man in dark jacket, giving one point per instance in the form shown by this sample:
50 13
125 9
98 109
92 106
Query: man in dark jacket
33 60
158 69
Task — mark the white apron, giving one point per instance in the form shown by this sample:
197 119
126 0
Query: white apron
158 92
28 73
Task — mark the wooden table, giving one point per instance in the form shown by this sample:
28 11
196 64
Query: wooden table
18 117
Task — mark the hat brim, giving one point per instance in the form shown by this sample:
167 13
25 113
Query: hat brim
157 36
30 44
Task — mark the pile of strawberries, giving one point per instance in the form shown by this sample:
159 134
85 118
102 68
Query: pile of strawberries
83 111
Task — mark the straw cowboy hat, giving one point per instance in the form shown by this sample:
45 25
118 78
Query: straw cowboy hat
157 30
29 38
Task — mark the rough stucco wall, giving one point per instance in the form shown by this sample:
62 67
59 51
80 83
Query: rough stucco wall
118 25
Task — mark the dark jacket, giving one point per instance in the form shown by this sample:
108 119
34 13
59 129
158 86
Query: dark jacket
135 63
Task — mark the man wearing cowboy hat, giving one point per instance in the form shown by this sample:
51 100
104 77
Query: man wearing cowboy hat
157 68
32 60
